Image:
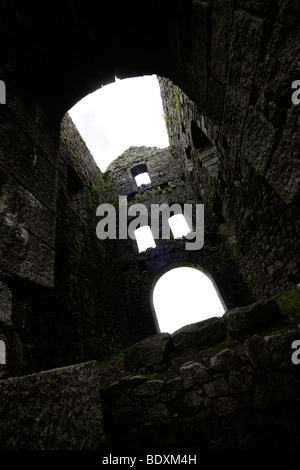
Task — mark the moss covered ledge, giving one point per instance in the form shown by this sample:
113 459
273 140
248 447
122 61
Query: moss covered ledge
113 368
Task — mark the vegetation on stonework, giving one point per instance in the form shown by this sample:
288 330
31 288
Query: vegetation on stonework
83 142
106 182
94 189
64 136
112 368
156 376
137 158
289 301
115 201
100 179
115 165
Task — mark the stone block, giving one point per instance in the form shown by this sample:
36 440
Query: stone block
148 389
273 387
245 44
120 388
284 170
151 351
174 384
166 397
216 388
5 305
27 231
226 360
259 5
242 319
192 399
126 417
240 382
220 39
280 346
226 405
258 140
158 412
194 374
257 352
59 409
198 336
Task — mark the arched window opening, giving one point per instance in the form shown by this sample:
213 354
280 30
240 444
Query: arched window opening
144 238
183 296
179 226
140 174
2 352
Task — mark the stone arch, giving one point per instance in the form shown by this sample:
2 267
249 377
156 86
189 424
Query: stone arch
220 87
138 170
179 50
106 47
169 269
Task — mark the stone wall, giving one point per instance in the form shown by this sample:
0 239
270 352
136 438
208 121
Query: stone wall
81 319
256 218
75 317
228 383
58 409
138 270
67 296
28 184
169 185
236 60
28 189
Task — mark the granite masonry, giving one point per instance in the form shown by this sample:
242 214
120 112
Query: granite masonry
72 304
227 383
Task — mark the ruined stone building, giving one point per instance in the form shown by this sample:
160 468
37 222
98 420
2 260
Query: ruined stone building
84 363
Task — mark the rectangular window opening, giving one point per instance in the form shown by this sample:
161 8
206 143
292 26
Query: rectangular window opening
142 178
144 238
179 226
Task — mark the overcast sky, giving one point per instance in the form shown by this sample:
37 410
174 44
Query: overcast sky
120 115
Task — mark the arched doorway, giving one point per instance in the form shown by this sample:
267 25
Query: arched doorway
184 295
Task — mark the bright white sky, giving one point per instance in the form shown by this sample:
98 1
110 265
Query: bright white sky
183 296
130 113
120 115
